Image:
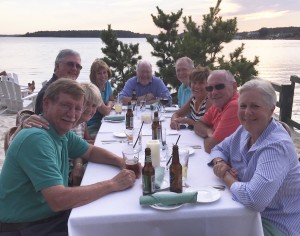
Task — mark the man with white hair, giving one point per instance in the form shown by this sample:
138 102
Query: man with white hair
221 119
146 86
67 65
184 67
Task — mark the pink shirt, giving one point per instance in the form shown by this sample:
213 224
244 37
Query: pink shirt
225 121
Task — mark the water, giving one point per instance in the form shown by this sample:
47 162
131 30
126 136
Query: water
33 58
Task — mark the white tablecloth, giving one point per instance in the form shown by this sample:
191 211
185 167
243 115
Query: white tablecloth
120 213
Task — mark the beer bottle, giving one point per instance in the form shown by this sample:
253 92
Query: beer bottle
156 127
129 117
148 174
175 172
133 99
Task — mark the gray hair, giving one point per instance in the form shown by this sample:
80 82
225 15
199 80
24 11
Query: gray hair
188 60
64 53
264 87
227 75
143 63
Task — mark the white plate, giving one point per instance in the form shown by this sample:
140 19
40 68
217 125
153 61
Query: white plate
205 195
162 207
171 109
119 134
114 121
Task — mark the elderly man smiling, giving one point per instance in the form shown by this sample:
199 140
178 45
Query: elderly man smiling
34 193
146 86
67 65
221 119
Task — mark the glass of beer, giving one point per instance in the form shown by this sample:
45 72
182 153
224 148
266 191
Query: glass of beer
118 108
131 158
184 161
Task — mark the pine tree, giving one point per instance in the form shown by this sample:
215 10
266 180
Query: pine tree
122 58
203 44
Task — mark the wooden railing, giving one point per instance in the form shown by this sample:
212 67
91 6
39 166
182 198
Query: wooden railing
286 98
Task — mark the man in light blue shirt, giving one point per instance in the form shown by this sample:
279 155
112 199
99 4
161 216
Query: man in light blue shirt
147 86
184 67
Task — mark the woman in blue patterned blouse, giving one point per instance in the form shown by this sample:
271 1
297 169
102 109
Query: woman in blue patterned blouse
198 104
259 162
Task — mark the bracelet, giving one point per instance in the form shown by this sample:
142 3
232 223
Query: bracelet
79 164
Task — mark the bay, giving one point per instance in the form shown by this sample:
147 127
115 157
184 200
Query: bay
33 58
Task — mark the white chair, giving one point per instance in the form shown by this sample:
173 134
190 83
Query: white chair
4 95
15 99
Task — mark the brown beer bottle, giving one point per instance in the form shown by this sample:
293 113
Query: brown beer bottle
133 99
148 174
156 127
175 172
129 117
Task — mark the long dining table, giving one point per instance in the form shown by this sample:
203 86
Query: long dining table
120 213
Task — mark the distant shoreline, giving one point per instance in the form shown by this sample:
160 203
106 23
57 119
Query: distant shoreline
284 33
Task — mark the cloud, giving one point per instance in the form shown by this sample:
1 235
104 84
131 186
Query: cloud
263 15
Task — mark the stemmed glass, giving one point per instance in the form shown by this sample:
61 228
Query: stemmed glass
164 100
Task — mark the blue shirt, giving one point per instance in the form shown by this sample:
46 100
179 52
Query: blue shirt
156 87
105 94
268 173
184 94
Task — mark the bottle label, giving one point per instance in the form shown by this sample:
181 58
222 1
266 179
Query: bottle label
148 159
148 184
131 122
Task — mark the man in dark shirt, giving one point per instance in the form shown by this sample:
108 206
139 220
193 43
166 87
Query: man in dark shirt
67 65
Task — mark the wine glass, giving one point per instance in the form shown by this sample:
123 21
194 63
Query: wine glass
164 100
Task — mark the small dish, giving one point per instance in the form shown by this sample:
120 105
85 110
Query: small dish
206 194
171 109
119 134
114 121
163 207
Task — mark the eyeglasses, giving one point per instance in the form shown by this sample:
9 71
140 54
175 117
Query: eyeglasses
68 107
73 64
216 87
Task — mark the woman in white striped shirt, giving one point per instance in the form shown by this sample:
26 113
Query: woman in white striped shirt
259 162
198 104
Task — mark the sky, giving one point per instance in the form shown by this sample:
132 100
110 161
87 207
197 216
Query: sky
22 16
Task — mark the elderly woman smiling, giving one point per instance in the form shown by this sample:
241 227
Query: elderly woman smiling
198 104
259 162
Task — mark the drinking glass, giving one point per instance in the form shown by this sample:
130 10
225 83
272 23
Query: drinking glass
118 108
134 136
184 161
131 158
143 105
164 100
163 145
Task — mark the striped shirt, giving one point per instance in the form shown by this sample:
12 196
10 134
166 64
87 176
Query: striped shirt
197 113
269 175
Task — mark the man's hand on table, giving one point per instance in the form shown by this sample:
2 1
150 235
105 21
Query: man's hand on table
123 180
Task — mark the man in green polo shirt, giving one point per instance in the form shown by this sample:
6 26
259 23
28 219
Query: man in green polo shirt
34 193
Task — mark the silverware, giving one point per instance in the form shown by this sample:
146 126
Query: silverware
112 141
196 146
218 187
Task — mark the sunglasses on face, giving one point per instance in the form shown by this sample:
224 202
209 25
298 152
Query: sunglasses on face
73 64
216 87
